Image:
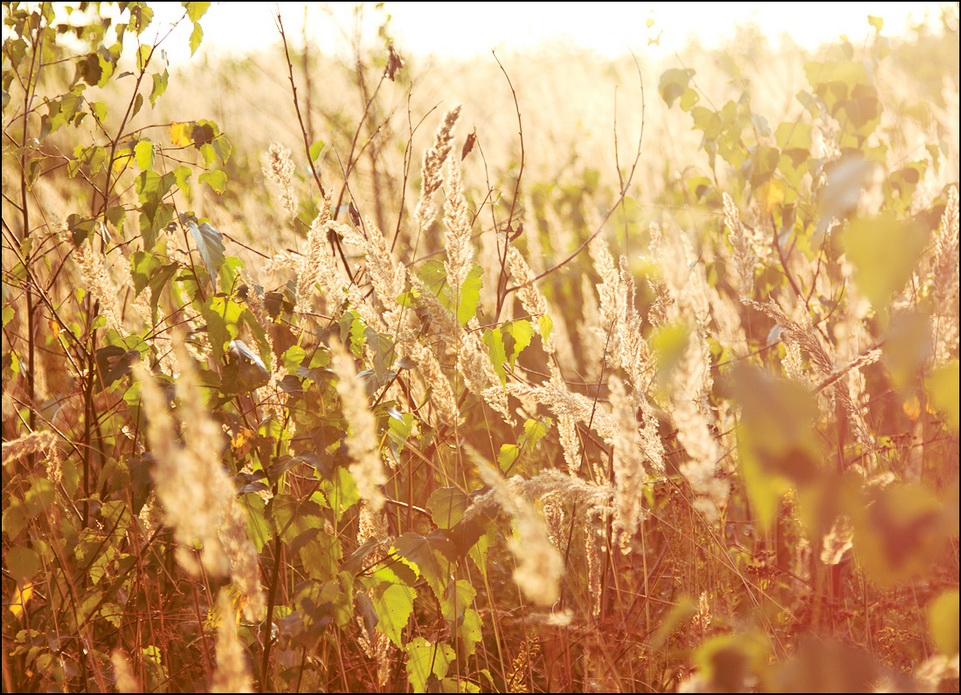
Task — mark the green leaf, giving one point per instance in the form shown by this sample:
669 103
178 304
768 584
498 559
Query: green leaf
884 252
447 506
341 491
545 325
469 298
216 179
689 99
470 632
160 80
196 10
434 276
943 622
151 189
458 597
707 121
143 55
674 83
258 528
292 517
196 36
116 216
144 155
776 437
99 110
317 149
534 432
393 607
794 136
22 563
942 389
507 455
494 341
426 659
521 334
424 553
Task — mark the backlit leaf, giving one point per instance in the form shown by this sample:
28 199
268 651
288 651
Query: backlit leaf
884 252
393 607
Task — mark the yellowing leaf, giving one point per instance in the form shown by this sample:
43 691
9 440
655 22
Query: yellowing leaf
21 596
770 194
180 134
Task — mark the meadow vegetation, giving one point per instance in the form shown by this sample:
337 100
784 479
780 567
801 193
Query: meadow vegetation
531 373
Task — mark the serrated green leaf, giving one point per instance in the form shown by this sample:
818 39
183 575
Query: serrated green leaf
341 491
196 37
470 631
393 607
426 554
426 659
494 341
196 10
522 333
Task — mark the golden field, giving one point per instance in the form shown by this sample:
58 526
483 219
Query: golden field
537 372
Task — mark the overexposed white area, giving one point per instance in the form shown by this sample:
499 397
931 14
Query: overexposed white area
464 29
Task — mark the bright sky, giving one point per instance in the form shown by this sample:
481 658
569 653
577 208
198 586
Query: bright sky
463 29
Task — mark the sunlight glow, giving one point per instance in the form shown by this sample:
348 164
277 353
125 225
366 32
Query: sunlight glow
462 30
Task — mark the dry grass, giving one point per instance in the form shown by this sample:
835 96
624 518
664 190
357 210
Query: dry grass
337 461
